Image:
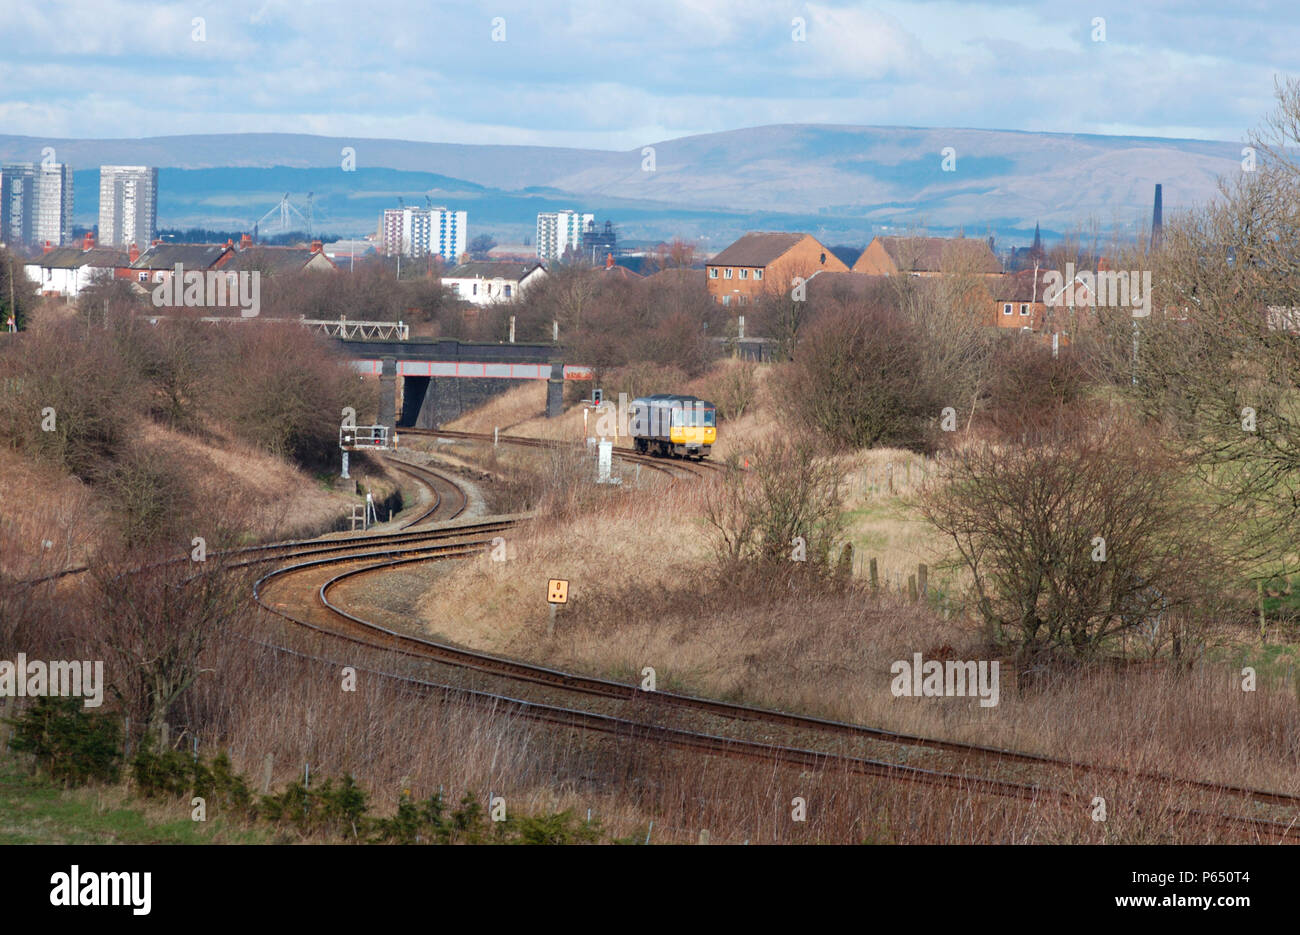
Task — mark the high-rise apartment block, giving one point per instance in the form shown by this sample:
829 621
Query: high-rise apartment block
424 231
558 231
36 203
128 205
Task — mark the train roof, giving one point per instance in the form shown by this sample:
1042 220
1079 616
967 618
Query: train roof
671 398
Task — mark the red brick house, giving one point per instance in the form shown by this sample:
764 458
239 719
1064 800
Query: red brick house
927 256
766 262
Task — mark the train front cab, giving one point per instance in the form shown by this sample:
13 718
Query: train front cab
693 430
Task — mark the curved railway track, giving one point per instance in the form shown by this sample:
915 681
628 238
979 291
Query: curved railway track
336 622
667 466
372 553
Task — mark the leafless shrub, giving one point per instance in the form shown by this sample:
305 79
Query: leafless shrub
151 625
78 381
1076 540
734 390
781 514
1028 388
860 378
284 390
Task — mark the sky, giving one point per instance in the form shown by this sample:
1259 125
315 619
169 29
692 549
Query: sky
613 74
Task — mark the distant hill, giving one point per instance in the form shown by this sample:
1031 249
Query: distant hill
838 182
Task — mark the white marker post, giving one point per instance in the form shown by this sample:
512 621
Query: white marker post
604 461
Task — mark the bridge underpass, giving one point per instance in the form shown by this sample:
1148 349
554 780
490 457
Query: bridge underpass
441 379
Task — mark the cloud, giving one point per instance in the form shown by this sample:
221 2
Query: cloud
595 73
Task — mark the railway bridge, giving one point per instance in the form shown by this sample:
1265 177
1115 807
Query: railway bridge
443 377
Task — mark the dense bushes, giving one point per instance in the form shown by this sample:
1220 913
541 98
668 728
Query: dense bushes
1029 390
78 747
82 397
73 744
285 391
861 378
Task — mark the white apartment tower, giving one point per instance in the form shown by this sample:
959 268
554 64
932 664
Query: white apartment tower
557 231
54 205
36 203
422 231
128 206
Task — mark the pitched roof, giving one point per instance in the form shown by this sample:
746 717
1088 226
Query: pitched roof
837 284
275 259
1019 287
349 248
927 254
493 269
757 249
75 258
189 255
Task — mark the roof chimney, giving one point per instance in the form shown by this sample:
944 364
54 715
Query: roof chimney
245 241
316 246
134 254
47 248
89 242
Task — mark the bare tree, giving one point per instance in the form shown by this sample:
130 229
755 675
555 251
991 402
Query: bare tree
152 624
1073 541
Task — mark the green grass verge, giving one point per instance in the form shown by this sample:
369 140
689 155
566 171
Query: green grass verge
35 811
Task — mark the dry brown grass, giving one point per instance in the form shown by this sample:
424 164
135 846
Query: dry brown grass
641 595
263 702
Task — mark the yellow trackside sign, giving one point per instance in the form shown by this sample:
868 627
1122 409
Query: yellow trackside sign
557 591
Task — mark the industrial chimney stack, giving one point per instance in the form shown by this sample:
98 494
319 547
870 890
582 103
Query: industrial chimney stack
1157 223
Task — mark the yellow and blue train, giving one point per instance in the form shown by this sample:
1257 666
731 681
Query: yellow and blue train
667 425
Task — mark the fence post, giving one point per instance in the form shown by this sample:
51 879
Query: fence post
875 580
911 588
266 775
1263 633
704 835
923 578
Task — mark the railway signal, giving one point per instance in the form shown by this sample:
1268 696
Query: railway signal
362 438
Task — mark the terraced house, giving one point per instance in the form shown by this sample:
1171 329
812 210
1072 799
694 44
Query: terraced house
764 262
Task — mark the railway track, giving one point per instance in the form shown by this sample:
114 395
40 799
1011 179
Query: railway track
669 466
1037 776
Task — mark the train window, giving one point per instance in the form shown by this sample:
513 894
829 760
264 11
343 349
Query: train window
710 417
